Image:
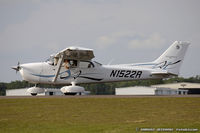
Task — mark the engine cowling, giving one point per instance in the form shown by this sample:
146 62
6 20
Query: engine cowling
35 90
72 90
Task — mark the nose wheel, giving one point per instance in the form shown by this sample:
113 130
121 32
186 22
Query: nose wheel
35 90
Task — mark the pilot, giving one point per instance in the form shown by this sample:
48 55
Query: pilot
74 63
66 64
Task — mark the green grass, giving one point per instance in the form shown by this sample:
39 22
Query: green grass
107 115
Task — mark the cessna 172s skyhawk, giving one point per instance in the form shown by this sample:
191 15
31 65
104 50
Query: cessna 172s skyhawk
74 65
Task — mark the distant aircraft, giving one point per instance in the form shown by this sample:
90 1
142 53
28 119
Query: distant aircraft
74 65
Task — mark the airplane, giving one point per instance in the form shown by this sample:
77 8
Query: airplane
74 66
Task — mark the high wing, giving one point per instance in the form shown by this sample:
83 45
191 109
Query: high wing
72 53
76 53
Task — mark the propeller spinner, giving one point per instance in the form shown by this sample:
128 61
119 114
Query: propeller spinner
17 68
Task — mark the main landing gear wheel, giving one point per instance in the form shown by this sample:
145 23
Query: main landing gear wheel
72 89
33 94
70 94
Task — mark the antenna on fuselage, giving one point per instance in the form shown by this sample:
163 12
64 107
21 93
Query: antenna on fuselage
109 63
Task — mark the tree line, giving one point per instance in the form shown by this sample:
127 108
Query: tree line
100 89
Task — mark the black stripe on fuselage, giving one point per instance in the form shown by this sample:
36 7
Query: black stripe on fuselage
96 79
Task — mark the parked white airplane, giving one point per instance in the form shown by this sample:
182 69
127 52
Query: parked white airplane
74 65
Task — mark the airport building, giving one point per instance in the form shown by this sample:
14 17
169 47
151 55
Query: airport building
192 88
142 90
162 89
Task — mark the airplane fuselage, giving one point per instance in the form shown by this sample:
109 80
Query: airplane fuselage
44 73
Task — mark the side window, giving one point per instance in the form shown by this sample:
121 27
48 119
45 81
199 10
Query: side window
84 64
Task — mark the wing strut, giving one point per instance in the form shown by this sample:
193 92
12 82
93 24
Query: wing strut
58 67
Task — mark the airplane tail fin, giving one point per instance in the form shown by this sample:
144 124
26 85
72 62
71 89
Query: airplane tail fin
172 58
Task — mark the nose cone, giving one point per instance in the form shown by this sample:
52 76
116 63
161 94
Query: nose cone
21 71
16 68
27 71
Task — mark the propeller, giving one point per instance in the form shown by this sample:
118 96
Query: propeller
17 68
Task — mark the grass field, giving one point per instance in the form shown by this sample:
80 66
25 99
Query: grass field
91 115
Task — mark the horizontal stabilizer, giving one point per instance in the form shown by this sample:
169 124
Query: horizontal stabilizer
162 74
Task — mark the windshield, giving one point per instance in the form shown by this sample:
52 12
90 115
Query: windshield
50 60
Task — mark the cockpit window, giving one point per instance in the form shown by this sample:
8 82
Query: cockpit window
49 61
70 63
86 64
73 63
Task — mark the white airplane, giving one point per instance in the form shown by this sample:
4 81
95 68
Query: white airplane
74 65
